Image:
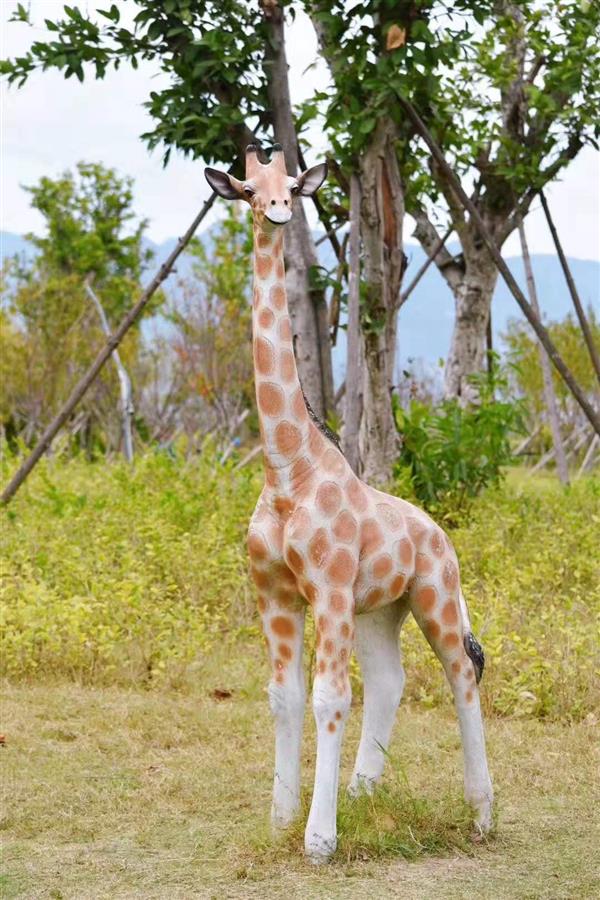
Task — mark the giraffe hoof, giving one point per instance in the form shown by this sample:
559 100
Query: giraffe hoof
361 784
319 850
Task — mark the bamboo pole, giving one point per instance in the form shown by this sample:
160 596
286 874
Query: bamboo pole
114 340
549 394
541 332
585 327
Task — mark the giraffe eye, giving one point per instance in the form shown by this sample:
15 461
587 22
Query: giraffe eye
294 189
249 192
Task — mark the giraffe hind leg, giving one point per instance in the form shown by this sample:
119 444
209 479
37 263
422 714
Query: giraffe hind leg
439 613
378 652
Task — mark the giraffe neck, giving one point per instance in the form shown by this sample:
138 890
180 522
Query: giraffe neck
283 418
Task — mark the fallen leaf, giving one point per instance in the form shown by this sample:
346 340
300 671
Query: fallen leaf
396 37
2 740
220 694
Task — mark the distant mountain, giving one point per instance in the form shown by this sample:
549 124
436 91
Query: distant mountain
425 322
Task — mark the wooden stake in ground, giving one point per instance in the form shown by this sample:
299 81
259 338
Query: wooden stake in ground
115 339
585 327
549 394
541 332
124 379
354 371
434 252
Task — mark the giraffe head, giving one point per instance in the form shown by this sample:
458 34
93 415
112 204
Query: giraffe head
268 189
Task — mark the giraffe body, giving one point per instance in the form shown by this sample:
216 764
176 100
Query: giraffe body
359 558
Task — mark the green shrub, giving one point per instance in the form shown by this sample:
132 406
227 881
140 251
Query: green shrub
452 452
120 573
114 574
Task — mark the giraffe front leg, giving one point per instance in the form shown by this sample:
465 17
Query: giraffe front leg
331 704
378 653
284 630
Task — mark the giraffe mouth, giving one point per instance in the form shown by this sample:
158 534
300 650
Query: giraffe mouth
282 217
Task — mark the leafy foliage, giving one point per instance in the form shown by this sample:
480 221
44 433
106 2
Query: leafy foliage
523 353
114 575
453 452
51 331
211 53
197 375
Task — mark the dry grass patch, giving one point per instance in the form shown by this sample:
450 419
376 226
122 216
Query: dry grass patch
123 794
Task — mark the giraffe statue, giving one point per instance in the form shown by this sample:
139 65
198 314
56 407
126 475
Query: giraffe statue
360 558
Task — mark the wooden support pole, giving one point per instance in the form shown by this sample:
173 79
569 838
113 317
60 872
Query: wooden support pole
585 326
114 340
591 414
434 252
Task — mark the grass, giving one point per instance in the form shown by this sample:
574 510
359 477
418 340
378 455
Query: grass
113 575
117 793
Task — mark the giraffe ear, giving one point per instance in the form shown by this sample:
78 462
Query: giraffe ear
223 184
310 181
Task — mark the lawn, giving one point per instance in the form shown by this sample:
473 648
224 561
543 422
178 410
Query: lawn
137 760
115 793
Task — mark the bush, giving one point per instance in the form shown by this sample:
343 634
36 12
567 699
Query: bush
119 573
452 453
114 574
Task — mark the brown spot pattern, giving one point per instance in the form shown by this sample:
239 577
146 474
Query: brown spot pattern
287 438
282 626
329 498
265 318
271 399
264 264
450 613
390 516
423 565
287 367
382 566
342 568
426 598
371 537
318 548
277 296
405 552
264 356
345 527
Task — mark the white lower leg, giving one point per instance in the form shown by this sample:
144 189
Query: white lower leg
287 704
478 786
331 711
378 653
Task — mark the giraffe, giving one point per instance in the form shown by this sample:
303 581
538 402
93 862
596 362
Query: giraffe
359 558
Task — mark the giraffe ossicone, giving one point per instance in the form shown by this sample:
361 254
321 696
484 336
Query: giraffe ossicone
361 559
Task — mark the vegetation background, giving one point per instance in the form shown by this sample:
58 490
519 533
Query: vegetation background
136 738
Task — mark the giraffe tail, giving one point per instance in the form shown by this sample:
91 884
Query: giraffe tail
473 648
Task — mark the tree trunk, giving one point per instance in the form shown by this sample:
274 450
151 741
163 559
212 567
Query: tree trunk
354 355
549 394
382 214
468 347
127 409
307 303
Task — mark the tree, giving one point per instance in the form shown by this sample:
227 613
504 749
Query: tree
510 118
198 376
224 81
52 328
368 47
523 353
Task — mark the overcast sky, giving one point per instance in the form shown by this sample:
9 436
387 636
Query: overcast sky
50 124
